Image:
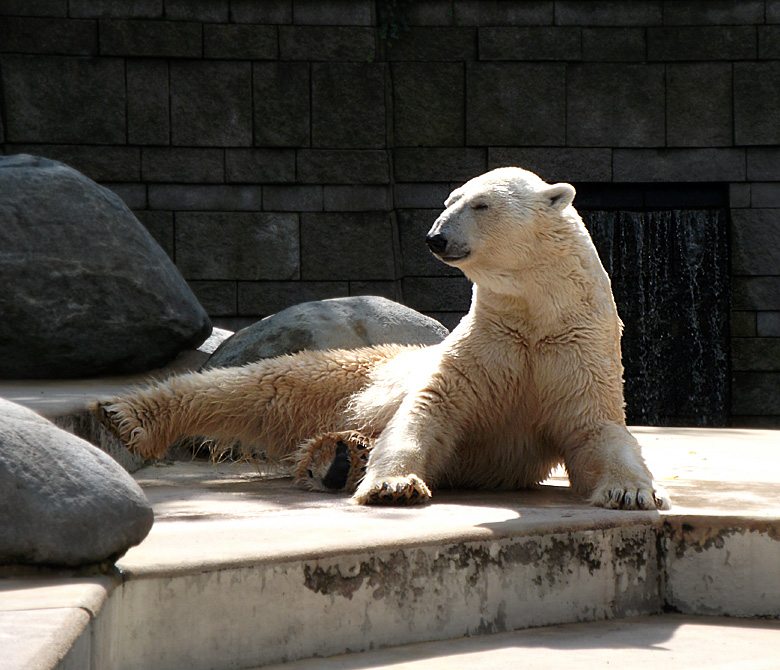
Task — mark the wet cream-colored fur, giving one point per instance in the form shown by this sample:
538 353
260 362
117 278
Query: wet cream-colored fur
530 378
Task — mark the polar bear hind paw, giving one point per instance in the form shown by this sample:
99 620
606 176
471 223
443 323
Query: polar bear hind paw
332 462
615 496
408 490
124 426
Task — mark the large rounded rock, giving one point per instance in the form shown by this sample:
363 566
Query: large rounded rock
63 501
86 290
340 323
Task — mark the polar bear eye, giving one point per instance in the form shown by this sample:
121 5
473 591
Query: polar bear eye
479 205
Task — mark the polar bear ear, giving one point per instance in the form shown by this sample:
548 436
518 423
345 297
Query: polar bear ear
559 196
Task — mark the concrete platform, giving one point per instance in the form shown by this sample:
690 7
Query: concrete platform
639 643
241 570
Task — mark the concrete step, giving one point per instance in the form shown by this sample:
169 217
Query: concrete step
639 643
241 569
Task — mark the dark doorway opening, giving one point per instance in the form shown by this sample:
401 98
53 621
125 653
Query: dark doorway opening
666 251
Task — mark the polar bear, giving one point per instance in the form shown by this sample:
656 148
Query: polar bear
531 378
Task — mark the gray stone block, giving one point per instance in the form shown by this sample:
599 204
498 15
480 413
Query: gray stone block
702 43
763 164
292 198
755 393
515 104
34 8
256 166
773 11
418 89
172 39
383 289
211 103
739 195
420 196
103 164
502 13
614 44
657 165
767 324
206 197
202 10
133 195
357 198
755 353
534 44
608 13
32 35
348 106
559 164
268 11
715 12
744 324
169 164
240 41
756 100
343 167
755 293
219 298
282 103
431 13
42 94
450 165
333 12
620 105
698 104
423 43
148 109
437 294
118 9
233 245
264 298
755 243
327 43
765 194
160 225
347 246
416 258
768 42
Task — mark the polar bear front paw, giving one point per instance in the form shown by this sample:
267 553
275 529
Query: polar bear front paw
408 490
619 496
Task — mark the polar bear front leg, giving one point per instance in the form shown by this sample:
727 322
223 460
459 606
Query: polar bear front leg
414 448
609 468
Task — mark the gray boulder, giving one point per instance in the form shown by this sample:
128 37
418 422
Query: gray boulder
86 290
340 323
63 501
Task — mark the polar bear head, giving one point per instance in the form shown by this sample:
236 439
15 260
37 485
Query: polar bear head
501 223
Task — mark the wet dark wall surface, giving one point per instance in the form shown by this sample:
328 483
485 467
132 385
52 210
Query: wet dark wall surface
670 277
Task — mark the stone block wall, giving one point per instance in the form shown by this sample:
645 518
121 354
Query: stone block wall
281 150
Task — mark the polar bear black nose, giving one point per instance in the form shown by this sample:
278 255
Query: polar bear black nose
436 243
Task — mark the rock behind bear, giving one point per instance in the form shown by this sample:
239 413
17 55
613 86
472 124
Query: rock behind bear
86 289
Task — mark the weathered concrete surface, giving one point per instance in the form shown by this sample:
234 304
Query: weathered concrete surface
241 568
46 622
640 643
